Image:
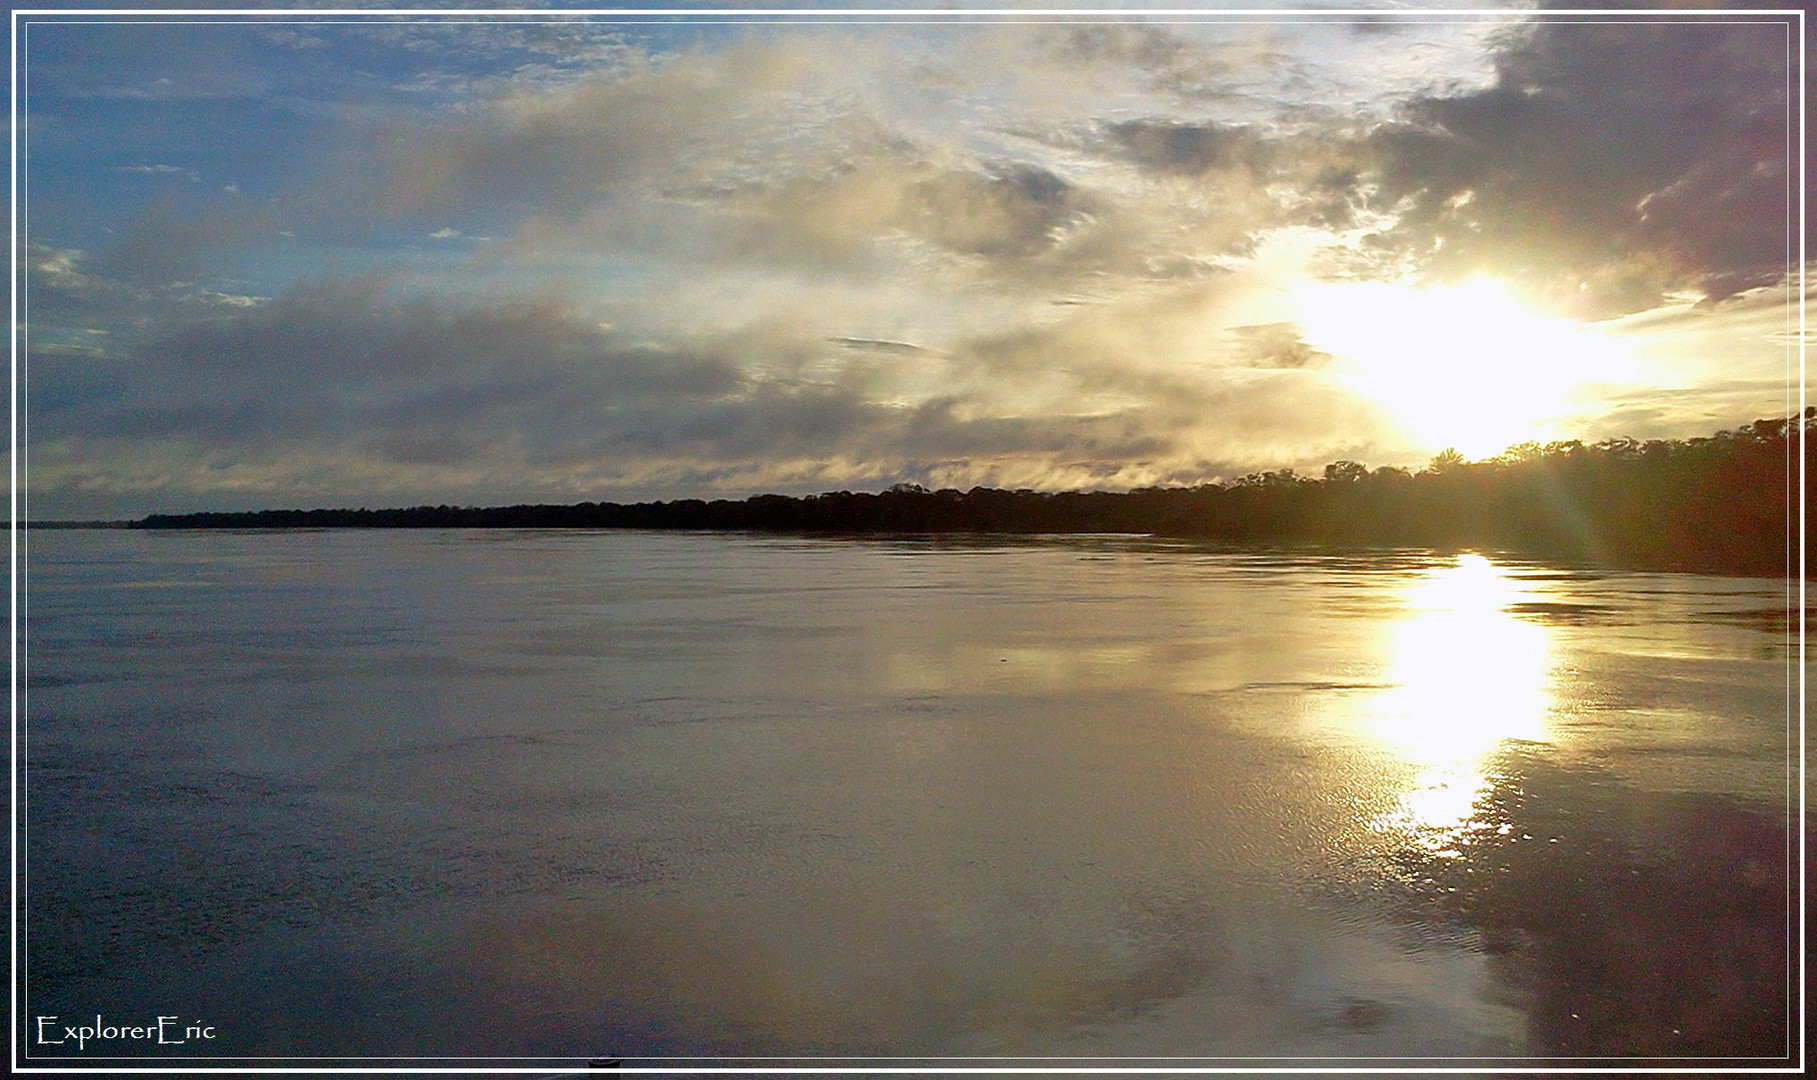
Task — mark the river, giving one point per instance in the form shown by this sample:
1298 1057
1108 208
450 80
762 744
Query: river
678 799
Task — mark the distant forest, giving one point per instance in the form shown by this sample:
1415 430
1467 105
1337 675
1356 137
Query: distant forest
1726 503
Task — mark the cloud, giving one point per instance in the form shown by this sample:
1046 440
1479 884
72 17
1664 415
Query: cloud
339 384
337 359
1167 60
177 238
602 262
1012 210
876 345
156 170
1610 163
1276 345
564 149
1193 149
804 150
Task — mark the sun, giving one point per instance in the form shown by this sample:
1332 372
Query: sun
1464 366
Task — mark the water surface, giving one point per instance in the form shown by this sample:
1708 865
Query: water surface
561 795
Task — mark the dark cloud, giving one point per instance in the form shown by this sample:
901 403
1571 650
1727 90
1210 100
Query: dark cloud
1011 210
366 383
887 202
59 289
1063 260
353 367
332 361
1192 149
178 238
1614 160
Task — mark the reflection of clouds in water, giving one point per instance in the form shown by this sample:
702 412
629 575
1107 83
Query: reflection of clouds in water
824 976
1621 922
1465 675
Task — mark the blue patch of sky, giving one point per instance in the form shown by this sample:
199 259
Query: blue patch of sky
121 115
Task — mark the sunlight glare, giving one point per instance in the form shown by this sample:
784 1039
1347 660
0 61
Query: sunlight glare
1462 366
1465 675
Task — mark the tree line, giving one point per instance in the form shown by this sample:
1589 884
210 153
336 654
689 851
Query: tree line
1726 503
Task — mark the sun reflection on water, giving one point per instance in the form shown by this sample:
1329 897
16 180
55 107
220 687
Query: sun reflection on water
1465 674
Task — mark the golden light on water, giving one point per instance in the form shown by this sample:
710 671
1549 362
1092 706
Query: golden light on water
1464 671
1465 674
1464 366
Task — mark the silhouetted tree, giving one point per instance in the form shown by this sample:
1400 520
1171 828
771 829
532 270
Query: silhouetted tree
1723 503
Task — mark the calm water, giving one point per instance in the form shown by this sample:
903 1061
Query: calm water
565 795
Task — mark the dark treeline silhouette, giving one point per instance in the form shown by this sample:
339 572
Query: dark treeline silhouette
1726 503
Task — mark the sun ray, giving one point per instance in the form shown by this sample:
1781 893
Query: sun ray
1464 366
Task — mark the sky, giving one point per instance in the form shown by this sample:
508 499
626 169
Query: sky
271 260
